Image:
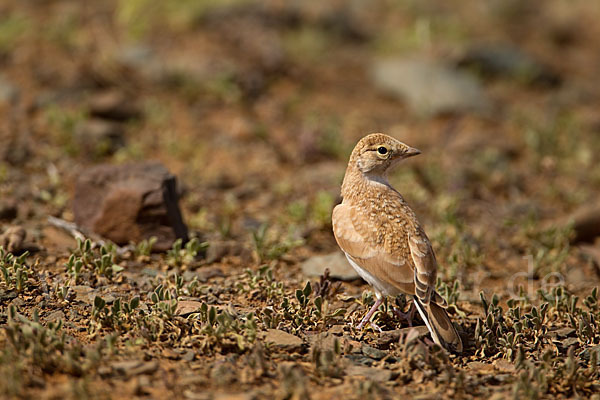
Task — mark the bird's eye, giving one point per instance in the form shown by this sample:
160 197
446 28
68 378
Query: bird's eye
382 150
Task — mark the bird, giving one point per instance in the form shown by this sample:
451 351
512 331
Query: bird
383 240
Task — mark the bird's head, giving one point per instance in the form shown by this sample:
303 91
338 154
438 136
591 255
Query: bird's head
376 153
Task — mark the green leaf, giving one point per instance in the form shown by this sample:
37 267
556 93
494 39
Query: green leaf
117 268
99 302
212 315
307 290
135 302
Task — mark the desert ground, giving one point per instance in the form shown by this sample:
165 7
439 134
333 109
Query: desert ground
126 124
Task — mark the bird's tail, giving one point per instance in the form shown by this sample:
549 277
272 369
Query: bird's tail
438 322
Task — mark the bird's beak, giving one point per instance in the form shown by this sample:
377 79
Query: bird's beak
412 152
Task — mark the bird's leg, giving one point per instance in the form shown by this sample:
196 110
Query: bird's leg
406 316
370 314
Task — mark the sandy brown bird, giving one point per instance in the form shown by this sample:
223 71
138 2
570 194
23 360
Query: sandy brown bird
382 238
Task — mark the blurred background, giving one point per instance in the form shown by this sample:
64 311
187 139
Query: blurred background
256 105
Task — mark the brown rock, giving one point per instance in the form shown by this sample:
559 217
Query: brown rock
586 224
129 203
187 307
283 340
338 265
373 374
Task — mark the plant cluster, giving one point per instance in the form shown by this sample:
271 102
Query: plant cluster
15 272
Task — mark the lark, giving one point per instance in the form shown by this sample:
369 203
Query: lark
383 239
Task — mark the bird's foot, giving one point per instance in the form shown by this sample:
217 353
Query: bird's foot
376 327
405 316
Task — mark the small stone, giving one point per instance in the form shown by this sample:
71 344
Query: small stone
372 374
134 367
429 88
82 292
170 354
480 367
587 353
573 341
55 316
18 302
283 340
188 356
395 335
129 203
336 262
563 332
504 366
187 307
337 330
373 353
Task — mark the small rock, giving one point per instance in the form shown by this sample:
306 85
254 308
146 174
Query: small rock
504 366
188 356
99 137
187 307
372 374
134 367
55 316
12 239
337 330
480 367
568 342
504 60
129 203
82 292
587 353
586 223
373 353
563 332
338 265
429 88
5 296
283 340
389 337
170 354
18 302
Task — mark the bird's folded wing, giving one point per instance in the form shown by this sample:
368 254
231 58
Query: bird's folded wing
390 268
425 268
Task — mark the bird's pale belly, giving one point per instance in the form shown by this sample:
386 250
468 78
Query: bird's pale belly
381 287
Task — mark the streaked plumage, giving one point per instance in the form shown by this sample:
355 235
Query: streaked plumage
382 238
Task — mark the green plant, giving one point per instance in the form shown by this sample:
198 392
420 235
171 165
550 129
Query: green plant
15 271
144 248
101 261
180 255
266 248
120 316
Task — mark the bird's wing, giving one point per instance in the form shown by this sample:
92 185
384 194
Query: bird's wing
393 269
425 268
